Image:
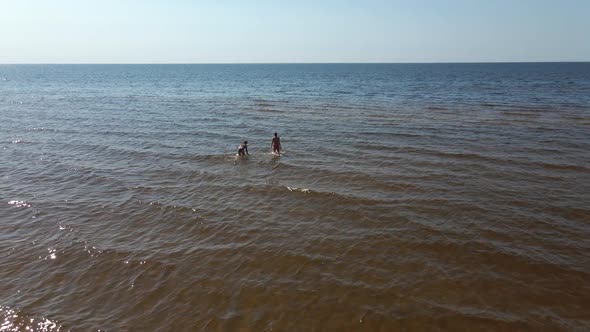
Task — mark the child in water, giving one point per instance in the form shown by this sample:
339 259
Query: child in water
243 149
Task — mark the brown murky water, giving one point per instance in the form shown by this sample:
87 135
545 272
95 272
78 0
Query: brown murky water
408 198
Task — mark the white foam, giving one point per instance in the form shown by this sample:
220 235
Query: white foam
303 190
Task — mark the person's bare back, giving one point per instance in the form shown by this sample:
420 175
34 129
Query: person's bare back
276 144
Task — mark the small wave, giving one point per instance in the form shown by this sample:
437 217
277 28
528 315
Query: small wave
270 110
262 100
464 155
520 114
565 167
303 190
436 108
332 177
18 141
448 154
19 203
381 134
341 92
333 197
214 157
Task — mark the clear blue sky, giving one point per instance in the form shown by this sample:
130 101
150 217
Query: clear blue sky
159 31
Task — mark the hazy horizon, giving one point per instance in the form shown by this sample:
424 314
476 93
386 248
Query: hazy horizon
375 31
284 63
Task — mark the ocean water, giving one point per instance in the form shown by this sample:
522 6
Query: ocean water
409 197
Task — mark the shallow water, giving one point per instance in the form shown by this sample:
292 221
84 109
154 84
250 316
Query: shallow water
409 197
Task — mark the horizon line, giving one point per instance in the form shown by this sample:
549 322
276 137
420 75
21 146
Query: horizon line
284 63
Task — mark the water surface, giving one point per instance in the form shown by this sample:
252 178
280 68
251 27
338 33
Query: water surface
409 197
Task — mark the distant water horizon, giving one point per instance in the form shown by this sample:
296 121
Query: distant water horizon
297 63
409 196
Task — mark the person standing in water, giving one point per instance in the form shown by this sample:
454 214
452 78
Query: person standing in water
243 149
276 144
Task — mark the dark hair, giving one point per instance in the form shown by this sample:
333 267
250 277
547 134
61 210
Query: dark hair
275 134
245 142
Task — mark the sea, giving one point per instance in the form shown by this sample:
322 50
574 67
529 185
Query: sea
408 197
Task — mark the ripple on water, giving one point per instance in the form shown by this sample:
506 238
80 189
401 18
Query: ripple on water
124 207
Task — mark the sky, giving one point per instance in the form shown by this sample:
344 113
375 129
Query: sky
303 31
